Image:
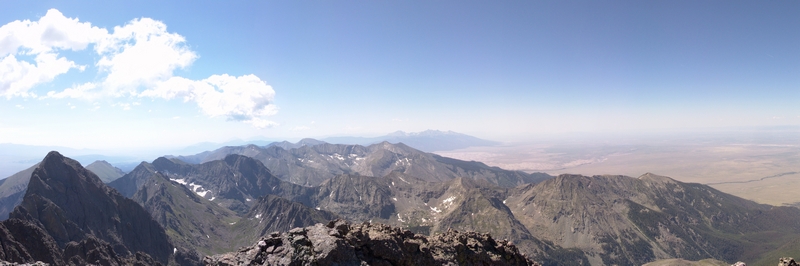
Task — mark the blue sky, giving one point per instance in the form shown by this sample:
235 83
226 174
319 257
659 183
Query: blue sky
292 69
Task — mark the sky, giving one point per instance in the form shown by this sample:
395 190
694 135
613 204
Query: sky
144 74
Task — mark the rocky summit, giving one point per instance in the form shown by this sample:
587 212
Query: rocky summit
342 243
69 217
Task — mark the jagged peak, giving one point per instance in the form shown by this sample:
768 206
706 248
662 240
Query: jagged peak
57 166
53 156
144 166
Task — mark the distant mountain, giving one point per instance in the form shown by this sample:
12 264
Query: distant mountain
90 221
195 218
105 171
68 214
623 220
429 140
234 182
13 189
128 184
205 146
264 202
310 165
192 222
303 142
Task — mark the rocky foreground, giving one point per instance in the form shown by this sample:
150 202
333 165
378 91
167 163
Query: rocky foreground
342 243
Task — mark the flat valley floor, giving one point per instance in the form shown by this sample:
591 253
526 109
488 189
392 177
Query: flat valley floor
765 171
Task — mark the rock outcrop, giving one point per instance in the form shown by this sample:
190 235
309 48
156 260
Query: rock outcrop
342 243
787 262
68 216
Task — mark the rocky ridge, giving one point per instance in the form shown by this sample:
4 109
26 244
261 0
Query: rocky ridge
69 217
13 189
243 184
311 165
342 243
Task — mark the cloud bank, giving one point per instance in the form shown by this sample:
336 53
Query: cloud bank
137 59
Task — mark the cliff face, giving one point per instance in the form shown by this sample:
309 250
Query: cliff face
343 243
86 221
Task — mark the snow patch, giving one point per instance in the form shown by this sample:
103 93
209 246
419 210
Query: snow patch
197 189
212 198
400 218
449 200
248 199
258 216
437 210
401 179
174 250
395 199
317 208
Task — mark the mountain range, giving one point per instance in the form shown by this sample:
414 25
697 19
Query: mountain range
171 211
16 157
428 140
311 162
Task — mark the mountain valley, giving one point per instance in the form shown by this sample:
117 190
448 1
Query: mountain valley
232 199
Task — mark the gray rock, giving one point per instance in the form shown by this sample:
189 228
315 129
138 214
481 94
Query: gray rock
787 262
341 243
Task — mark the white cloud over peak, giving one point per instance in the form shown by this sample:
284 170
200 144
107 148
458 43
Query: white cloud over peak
137 59
245 98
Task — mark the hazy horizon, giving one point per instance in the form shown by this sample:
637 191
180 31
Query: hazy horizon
145 75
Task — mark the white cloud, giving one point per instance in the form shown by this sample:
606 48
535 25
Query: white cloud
41 40
300 128
52 32
20 76
141 53
82 91
245 98
19 106
136 59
